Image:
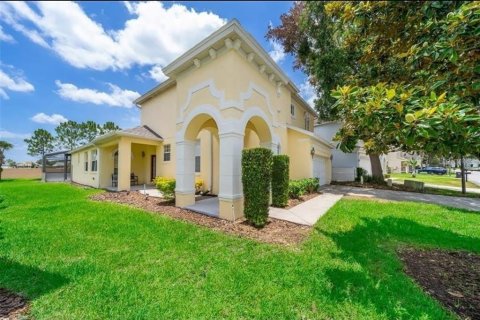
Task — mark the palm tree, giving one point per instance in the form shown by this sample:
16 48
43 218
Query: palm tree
413 163
4 146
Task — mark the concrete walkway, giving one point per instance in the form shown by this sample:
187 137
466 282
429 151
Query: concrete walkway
308 212
456 202
209 206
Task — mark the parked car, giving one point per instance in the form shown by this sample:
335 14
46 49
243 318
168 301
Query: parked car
433 170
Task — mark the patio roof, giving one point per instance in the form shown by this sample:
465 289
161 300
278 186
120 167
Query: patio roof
142 132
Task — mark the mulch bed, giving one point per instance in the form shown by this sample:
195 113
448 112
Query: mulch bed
295 202
276 231
11 304
451 277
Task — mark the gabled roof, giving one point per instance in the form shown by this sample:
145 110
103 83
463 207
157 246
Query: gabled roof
237 37
142 132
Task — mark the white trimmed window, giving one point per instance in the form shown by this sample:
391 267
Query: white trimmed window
166 152
307 121
85 159
292 110
94 161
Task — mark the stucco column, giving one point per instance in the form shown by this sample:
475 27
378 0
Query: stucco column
185 173
124 164
270 145
231 193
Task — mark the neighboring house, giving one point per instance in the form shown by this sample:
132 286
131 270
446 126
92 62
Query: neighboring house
398 162
223 95
344 165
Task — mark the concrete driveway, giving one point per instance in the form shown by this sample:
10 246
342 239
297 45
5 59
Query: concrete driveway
456 202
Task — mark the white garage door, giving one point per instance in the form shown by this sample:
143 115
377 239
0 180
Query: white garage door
319 169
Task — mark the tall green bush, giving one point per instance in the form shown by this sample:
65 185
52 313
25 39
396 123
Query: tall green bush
280 179
256 179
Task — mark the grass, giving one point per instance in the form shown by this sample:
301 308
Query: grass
78 259
441 180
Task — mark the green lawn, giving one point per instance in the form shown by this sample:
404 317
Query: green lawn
78 259
444 180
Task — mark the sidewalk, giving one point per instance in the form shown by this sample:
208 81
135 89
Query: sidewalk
308 212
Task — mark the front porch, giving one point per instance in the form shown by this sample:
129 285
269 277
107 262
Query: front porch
128 162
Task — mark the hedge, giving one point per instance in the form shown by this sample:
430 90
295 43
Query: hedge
256 179
280 179
297 188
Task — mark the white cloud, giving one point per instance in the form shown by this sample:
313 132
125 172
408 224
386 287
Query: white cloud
13 82
156 73
5 37
116 97
277 53
45 118
4 134
307 91
154 35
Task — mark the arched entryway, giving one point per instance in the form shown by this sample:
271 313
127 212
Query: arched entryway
257 133
198 159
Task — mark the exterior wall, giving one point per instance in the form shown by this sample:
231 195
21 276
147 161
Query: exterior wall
79 175
159 113
301 160
299 119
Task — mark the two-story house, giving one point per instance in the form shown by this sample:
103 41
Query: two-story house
223 95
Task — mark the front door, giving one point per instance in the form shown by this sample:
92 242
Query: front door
153 167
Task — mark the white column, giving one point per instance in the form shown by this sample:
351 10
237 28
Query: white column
231 146
270 145
185 167
124 164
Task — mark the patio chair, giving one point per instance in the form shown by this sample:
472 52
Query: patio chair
133 179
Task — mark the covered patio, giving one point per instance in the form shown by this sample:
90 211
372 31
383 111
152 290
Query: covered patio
128 159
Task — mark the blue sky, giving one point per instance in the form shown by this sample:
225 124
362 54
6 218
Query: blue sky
89 60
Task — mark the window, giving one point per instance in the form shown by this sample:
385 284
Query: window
307 121
166 152
292 110
94 161
85 158
197 156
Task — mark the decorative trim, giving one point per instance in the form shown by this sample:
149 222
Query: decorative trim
213 53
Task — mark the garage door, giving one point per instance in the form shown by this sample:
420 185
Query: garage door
319 169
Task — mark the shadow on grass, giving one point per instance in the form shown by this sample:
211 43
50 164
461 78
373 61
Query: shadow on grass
31 282
377 280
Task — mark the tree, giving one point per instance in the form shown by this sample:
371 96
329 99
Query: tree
4 146
416 47
40 143
109 126
69 134
11 163
89 130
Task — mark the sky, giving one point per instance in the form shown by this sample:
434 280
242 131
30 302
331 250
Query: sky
84 61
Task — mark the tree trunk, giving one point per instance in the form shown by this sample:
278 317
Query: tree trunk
376 166
462 168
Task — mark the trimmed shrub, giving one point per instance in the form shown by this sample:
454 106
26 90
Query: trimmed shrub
360 173
280 181
296 189
166 186
256 179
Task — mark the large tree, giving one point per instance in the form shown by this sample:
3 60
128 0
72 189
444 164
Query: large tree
419 47
4 146
69 134
40 143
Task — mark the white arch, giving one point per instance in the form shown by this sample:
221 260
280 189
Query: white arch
256 112
199 110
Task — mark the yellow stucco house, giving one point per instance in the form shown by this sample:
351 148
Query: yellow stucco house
223 95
